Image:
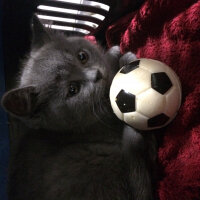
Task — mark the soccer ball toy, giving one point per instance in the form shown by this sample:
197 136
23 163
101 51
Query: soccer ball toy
146 94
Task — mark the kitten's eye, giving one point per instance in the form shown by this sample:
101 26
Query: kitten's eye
83 56
73 89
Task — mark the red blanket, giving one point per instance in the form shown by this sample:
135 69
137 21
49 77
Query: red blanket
169 31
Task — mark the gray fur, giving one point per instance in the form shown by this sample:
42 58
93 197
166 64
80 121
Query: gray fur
74 147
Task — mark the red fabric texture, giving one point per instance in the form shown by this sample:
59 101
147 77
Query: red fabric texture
169 31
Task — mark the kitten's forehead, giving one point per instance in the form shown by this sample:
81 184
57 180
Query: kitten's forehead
66 48
72 44
58 58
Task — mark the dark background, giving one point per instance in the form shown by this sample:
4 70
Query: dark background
15 37
17 16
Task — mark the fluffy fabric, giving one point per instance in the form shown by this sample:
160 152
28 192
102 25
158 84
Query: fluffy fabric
169 31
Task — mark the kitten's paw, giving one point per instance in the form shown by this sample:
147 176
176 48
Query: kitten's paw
114 51
132 140
112 57
127 58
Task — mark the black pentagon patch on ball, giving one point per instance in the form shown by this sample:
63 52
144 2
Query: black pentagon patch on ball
158 120
125 101
130 67
160 82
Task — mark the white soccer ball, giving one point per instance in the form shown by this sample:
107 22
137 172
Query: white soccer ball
146 94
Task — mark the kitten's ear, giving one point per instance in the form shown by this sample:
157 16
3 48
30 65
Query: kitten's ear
39 35
20 102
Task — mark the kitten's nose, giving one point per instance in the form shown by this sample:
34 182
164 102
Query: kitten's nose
99 76
93 74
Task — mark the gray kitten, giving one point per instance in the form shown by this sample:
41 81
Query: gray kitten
72 146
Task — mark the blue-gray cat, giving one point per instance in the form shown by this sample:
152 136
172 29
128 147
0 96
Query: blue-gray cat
72 146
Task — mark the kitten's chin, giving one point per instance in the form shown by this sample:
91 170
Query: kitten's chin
78 127
102 115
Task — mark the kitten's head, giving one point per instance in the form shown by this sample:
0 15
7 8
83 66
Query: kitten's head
62 85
